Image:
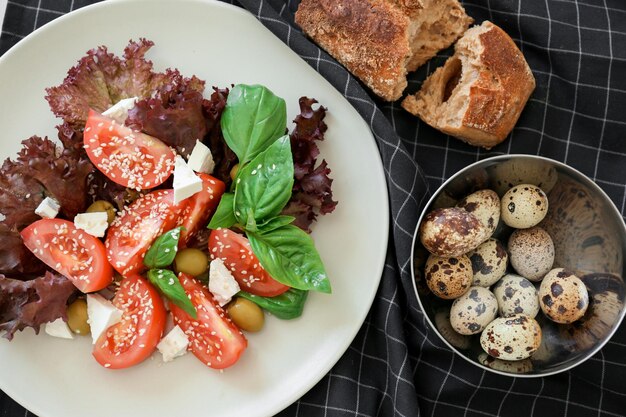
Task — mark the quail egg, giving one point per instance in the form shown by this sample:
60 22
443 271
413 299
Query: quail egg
516 295
511 338
442 321
524 206
489 262
451 232
448 277
485 205
474 310
531 252
563 297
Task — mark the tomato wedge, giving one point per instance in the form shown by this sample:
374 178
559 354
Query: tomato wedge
202 205
129 158
132 233
213 337
234 249
71 252
133 339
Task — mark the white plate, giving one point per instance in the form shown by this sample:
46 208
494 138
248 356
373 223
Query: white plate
222 45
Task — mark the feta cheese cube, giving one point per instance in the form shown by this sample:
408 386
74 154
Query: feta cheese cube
222 284
186 182
201 159
48 208
174 344
59 328
119 111
93 223
102 315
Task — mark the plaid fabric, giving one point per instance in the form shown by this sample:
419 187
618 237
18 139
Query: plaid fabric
396 365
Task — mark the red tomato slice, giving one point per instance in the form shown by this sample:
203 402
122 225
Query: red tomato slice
129 158
133 339
71 252
213 337
234 249
202 205
132 233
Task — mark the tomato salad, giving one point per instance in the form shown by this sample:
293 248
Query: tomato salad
167 202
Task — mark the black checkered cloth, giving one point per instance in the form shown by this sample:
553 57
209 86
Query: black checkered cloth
397 366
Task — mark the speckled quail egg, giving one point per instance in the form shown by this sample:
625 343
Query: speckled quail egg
517 367
485 205
489 262
511 338
473 311
531 252
451 232
524 206
563 297
448 277
516 295
442 322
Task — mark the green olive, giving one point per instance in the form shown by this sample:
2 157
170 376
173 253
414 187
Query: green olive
246 315
103 206
233 171
191 261
77 317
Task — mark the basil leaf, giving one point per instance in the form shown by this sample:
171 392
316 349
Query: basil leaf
253 118
289 256
167 282
224 216
264 185
275 223
285 306
163 250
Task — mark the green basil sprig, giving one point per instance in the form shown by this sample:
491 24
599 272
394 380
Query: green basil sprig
252 120
163 250
263 187
167 282
285 306
288 254
254 123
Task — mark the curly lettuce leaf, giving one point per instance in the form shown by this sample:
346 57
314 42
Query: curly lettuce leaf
32 303
15 258
174 114
101 79
312 190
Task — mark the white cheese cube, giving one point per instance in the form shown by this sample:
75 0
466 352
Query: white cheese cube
93 223
102 315
59 328
119 111
222 284
201 159
174 344
48 208
186 182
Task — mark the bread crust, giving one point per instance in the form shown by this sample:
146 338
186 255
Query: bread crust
497 93
373 38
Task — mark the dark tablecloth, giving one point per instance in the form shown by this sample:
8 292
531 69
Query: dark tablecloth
397 366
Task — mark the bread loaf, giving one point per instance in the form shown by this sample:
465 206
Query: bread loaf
380 41
480 92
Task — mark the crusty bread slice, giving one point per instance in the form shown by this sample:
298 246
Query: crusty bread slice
379 41
480 92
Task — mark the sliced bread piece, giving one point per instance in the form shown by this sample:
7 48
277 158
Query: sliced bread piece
480 92
379 41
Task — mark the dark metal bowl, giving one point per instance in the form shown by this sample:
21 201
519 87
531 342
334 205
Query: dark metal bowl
589 237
